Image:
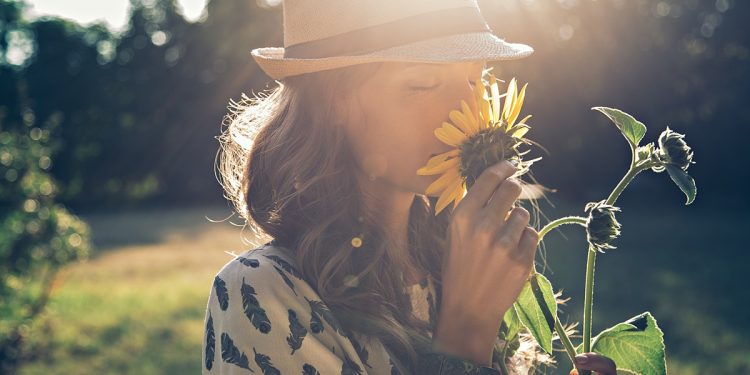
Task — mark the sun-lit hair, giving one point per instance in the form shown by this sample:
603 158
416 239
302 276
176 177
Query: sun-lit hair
290 174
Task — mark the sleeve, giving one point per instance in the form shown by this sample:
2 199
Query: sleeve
263 318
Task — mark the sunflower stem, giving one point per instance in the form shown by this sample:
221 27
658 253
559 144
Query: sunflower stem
588 300
503 366
561 221
569 348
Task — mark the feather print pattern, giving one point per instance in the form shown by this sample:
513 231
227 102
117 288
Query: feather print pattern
361 351
251 312
297 332
230 353
254 263
319 309
264 362
252 308
288 282
349 367
210 342
221 292
308 369
285 265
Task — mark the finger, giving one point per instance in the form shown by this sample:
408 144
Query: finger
497 209
596 362
513 228
528 244
479 193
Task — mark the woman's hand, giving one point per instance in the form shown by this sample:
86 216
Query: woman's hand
490 258
594 362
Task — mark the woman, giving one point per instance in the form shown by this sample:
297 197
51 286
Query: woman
358 275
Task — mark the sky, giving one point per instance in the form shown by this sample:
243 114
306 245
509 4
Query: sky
113 12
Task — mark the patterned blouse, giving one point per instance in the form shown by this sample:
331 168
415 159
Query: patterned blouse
263 318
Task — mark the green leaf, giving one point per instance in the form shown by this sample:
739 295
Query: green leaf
683 181
537 309
636 346
632 129
511 324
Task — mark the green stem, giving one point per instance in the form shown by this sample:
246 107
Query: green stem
539 296
504 367
569 348
591 260
558 222
588 300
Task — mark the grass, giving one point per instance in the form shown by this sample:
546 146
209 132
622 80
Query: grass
137 306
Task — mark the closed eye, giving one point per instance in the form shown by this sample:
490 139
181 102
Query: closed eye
423 88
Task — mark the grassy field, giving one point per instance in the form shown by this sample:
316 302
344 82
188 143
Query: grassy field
137 306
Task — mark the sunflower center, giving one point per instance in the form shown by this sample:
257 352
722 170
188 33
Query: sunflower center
485 148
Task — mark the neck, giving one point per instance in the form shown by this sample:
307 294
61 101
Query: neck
391 206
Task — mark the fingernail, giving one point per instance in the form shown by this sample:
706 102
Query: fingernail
581 359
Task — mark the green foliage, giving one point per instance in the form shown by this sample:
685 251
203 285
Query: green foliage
540 321
636 345
632 129
683 181
37 236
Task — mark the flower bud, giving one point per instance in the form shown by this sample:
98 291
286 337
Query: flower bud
645 152
601 225
674 150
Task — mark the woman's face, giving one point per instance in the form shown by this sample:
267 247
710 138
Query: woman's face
393 115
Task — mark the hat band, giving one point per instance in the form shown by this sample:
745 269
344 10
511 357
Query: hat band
407 30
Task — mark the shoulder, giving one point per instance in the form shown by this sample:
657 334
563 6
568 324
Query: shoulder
266 269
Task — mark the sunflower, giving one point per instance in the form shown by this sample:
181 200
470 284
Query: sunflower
479 139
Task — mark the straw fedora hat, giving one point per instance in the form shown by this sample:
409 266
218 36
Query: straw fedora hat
329 34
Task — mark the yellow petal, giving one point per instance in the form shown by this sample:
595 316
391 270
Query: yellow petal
459 194
525 119
520 133
480 96
495 98
458 118
446 137
470 115
440 158
439 168
458 121
518 102
453 132
444 200
510 97
442 182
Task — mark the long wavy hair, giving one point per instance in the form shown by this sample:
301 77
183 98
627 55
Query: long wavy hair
291 176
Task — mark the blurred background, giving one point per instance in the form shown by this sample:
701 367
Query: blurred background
113 223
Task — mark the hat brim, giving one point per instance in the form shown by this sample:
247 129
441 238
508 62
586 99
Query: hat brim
454 48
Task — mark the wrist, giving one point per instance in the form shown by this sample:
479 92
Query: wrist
469 338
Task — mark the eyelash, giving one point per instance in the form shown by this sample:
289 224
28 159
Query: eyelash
419 88
416 88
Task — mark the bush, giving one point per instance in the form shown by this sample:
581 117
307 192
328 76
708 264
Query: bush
37 235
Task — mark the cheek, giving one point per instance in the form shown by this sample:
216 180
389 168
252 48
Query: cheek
408 140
